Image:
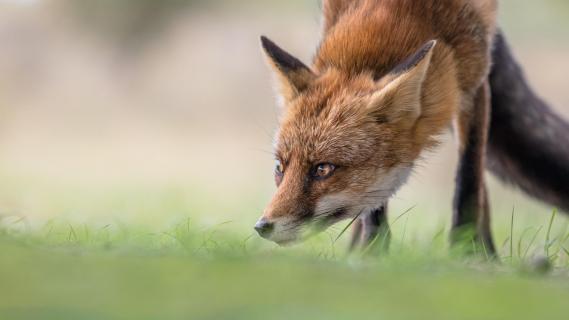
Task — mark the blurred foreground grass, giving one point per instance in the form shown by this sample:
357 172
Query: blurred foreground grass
187 271
80 240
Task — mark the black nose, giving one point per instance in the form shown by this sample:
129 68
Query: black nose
264 228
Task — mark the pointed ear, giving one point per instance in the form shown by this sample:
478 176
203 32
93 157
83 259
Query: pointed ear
293 75
400 98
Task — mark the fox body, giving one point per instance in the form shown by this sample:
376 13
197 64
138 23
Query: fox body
389 77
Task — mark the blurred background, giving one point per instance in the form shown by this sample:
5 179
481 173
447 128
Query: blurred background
148 112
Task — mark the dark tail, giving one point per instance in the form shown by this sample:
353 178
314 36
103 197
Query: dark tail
528 144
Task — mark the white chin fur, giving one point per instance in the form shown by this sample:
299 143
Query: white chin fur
393 180
385 186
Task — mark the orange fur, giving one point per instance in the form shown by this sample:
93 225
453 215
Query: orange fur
369 110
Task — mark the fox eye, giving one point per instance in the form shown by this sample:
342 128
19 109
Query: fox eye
279 172
323 170
279 168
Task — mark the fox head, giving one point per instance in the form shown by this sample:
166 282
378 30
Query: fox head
346 143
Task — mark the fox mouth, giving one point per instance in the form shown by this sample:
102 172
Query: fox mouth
316 225
306 227
287 242
330 219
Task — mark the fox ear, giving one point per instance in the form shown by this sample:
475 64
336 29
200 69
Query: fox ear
293 75
400 99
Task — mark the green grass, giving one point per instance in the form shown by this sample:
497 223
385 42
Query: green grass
117 271
74 250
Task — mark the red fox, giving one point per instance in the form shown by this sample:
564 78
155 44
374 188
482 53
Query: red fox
388 78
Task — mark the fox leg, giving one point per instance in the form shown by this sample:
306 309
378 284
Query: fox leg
372 228
471 214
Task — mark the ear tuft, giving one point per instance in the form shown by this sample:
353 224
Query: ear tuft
411 62
293 75
281 58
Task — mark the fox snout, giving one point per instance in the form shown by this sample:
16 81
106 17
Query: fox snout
282 226
287 221
264 228
279 231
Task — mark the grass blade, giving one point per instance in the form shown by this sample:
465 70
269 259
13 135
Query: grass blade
348 226
521 240
548 234
512 236
532 241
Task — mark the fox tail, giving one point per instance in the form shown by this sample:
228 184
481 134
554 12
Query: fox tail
528 142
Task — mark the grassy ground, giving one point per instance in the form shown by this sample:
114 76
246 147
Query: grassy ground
186 271
149 216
